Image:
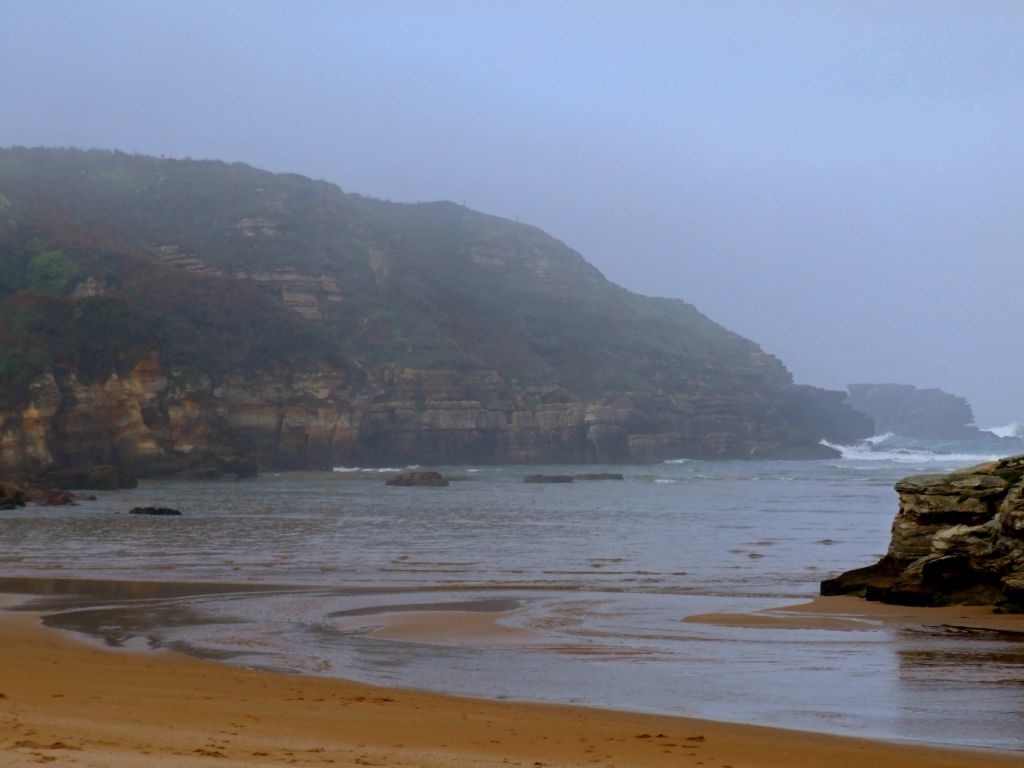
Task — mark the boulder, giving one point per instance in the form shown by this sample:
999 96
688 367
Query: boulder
426 478
956 538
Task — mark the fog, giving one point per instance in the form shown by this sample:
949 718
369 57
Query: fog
841 182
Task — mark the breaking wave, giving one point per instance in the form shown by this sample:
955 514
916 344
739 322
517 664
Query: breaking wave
897 449
353 470
1013 429
868 451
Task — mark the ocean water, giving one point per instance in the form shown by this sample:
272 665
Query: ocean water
591 582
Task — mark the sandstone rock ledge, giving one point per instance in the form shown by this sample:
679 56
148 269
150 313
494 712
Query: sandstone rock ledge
957 538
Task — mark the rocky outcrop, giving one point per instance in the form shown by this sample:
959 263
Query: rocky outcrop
920 414
304 294
424 478
957 538
18 493
155 511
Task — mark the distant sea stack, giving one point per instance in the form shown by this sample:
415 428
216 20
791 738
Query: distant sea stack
919 414
178 317
957 538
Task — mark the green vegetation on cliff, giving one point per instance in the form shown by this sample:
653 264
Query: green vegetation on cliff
424 286
76 305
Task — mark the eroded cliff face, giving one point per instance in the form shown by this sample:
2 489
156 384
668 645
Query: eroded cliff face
152 423
957 538
197 318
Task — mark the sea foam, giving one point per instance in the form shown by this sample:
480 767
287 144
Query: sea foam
1013 429
869 450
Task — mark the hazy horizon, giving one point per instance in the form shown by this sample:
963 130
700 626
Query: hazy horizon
838 182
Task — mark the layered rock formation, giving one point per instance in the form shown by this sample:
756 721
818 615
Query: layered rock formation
200 319
146 423
957 538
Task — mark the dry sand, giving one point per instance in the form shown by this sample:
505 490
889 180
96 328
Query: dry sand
71 703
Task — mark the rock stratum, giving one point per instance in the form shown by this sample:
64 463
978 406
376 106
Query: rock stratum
957 538
194 318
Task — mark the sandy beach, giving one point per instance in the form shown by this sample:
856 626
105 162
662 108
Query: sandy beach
70 702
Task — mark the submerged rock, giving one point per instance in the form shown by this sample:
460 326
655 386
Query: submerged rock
548 479
600 476
426 478
160 511
957 538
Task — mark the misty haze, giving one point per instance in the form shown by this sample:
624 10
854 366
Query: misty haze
458 358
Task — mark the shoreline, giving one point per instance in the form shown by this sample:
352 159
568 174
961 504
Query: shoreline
68 700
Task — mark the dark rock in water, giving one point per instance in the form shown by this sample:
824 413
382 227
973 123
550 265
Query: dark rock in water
100 478
548 479
17 494
12 494
957 538
221 465
600 476
53 498
160 511
425 478
921 414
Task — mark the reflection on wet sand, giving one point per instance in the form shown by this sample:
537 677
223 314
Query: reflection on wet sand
88 591
683 654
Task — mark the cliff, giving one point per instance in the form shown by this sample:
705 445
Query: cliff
186 317
957 538
920 414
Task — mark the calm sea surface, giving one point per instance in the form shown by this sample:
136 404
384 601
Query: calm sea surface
298 568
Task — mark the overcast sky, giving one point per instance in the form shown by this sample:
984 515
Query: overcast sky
840 181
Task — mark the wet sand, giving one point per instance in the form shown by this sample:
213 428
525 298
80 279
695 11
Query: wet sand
73 703
450 627
853 613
